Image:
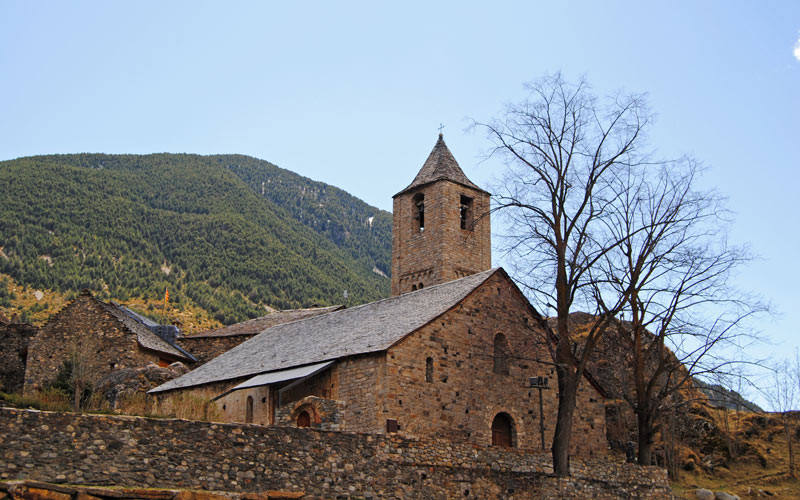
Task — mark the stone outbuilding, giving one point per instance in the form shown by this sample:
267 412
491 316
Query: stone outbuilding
450 355
102 335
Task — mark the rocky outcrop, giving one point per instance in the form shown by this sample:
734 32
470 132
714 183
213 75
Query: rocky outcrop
115 387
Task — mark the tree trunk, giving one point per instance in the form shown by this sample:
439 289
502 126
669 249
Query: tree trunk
644 419
565 369
673 459
789 443
567 389
78 391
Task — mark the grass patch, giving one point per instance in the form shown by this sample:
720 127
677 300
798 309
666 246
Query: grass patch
46 400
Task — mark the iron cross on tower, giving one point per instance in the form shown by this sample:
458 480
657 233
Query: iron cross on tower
440 128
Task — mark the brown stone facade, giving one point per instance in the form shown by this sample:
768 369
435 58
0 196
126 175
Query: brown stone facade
443 251
352 384
14 341
86 329
323 414
206 348
310 463
462 396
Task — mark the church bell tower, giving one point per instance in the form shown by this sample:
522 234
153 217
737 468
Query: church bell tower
441 229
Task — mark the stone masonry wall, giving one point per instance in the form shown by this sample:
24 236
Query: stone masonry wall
14 341
465 395
443 251
326 414
207 348
358 382
135 451
232 407
84 327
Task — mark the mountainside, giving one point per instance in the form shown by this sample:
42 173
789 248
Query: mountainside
229 234
722 397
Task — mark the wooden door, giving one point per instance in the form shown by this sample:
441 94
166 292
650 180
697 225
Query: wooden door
501 431
304 419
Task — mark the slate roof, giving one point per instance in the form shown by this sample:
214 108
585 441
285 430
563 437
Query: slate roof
258 325
372 327
146 338
440 165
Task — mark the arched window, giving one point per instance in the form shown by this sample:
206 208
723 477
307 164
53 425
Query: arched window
419 211
466 212
500 354
429 370
248 412
502 430
413 288
420 286
303 419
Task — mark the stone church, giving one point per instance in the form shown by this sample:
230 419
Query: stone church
449 355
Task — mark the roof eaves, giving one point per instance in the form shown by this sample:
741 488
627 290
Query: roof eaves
413 187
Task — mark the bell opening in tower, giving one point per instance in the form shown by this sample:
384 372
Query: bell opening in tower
419 211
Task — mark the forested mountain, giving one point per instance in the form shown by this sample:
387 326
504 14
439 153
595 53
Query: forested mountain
228 233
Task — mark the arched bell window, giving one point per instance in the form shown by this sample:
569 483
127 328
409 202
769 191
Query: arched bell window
465 212
419 211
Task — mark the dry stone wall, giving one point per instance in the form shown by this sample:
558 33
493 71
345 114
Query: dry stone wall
168 453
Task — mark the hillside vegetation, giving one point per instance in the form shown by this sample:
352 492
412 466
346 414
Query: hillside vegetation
229 235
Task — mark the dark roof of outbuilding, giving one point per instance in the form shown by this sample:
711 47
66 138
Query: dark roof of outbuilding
440 165
144 336
372 327
258 325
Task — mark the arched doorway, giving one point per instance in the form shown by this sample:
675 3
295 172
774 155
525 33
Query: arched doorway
248 412
501 431
304 419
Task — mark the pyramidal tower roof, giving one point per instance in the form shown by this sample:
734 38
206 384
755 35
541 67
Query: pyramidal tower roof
440 165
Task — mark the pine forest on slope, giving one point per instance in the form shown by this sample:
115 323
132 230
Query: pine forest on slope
230 234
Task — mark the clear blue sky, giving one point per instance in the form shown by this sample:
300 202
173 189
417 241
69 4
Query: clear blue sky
353 93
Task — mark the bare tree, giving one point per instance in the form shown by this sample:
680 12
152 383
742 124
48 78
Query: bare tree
731 423
82 371
783 396
562 146
671 269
